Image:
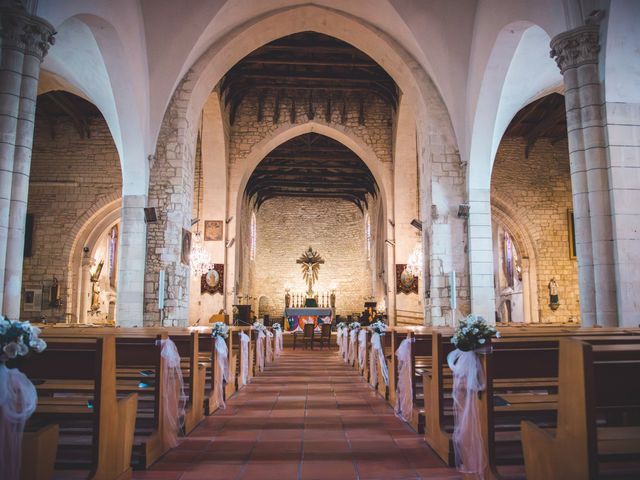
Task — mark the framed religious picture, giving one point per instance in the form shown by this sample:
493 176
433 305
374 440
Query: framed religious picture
32 299
213 280
213 230
406 282
571 224
186 247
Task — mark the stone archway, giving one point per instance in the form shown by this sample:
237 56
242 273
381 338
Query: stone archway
174 162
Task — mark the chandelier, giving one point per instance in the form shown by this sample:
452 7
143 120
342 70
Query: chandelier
416 261
199 259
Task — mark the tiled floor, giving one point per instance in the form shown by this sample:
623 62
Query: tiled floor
306 417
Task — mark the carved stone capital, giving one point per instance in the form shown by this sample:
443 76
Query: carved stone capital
576 47
22 31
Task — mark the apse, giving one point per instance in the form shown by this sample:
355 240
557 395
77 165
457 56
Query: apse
311 191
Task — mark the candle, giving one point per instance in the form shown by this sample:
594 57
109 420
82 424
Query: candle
452 286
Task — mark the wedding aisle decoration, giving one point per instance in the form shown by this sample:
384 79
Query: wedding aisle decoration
220 333
173 395
378 329
260 329
404 396
342 333
244 362
277 329
18 397
471 338
269 347
354 328
362 348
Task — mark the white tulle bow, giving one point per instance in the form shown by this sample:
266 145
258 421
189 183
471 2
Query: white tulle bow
377 359
260 350
352 346
404 395
279 343
341 333
362 348
244 358
468 380
18 400
173 397
221 372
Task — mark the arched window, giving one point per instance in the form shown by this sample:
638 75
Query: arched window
252 237
367 234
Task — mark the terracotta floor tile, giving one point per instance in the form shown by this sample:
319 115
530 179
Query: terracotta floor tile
323 469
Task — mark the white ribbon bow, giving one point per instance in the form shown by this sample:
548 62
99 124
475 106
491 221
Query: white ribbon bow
352 346
269 347
244 358
18 400
468 380
260 350
221 373
404 396
377 358
279 343
362 348
341 333
173 396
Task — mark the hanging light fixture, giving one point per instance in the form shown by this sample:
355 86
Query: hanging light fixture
416 261
199 259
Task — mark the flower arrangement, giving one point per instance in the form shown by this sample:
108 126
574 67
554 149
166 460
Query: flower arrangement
354 325
341 325
257 326
276 326
472 333
378 327
220 329
18 338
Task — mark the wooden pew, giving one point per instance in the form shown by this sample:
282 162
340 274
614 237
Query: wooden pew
39 453
139 365
599 394
76 383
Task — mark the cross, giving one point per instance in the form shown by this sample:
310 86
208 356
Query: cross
310 263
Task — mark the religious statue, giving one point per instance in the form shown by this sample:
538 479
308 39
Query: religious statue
287 299
554 302
95 288
310 262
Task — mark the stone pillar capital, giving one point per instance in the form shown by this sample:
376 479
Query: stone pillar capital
576 47
25 32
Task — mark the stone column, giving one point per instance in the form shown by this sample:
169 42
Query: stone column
576 53
131 262
25 40
483 301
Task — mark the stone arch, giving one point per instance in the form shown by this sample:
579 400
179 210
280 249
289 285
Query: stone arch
506 216
175 151
102 213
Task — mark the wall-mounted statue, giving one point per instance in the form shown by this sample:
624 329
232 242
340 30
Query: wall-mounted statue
554 301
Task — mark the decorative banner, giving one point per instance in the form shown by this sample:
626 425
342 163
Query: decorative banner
406 282
185 253
213 281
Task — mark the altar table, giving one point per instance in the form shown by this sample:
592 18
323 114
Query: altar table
297 317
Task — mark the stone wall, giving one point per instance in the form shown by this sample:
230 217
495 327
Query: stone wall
537 192
286 227
71 178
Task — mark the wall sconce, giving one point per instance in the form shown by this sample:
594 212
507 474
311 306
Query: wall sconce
417 223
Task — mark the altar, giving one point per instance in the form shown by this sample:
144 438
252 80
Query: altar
295 318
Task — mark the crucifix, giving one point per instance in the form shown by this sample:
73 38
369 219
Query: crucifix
310 262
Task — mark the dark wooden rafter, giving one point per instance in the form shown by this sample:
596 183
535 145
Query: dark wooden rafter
312 165
312 64
543 118
59 104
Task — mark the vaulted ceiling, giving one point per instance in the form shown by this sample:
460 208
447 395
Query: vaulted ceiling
308 63
312 165
59 104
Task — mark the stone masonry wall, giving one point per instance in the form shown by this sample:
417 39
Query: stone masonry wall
538 191
286 227
70 177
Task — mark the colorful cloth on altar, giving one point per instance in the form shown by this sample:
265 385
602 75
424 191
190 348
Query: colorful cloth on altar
295 322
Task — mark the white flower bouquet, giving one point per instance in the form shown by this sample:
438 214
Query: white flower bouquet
341 325
378 327
257 326
276 326
220 329
473 333
354 325
18 338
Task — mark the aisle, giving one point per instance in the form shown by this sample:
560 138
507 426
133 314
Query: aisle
306 417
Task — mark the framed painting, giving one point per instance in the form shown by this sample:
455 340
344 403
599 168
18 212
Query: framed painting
213 280
186 247
32 299
213 230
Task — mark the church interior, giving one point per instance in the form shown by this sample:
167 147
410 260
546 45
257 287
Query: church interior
367 240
